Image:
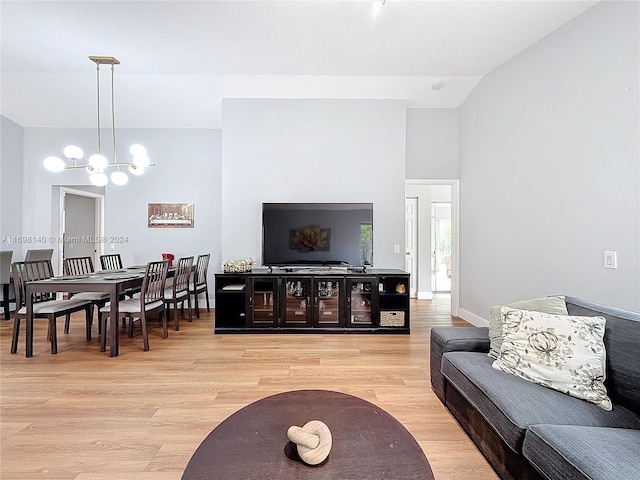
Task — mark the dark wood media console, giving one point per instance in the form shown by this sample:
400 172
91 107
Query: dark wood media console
312 300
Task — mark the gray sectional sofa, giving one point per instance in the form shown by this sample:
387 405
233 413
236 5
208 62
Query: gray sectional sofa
527 431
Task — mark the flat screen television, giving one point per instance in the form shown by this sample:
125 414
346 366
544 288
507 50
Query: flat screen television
317 234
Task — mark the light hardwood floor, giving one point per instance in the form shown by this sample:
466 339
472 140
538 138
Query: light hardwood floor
84 416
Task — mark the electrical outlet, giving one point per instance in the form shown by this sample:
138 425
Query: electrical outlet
611 260
396 249
112 246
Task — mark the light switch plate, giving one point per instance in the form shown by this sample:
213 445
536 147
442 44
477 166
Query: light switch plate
611 260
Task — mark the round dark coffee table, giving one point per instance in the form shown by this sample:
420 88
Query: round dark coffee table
368 443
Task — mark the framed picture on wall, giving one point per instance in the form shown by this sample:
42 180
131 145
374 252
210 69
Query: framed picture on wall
170 215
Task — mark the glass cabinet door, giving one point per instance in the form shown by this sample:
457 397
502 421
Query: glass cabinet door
263 302
327 303
359 301
297 304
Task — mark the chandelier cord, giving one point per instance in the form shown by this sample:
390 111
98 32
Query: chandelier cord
98 84
113 117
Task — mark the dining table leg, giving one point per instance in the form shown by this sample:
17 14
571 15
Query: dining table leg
114 323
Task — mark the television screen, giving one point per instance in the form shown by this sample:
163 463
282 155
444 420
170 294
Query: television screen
317 234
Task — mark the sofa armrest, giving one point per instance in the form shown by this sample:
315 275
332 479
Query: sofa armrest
453 339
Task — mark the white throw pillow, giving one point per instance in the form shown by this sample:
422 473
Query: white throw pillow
562 352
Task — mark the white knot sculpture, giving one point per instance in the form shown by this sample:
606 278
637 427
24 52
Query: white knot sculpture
313 441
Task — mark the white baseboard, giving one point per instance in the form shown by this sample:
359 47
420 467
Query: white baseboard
425 296
472 318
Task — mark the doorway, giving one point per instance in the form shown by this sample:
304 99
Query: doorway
436 245
80 225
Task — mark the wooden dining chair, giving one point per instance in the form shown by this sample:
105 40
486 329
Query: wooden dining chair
8 292
45 305
149 304
84 266
111 261
178 292
198 282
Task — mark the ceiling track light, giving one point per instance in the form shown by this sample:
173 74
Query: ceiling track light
98 163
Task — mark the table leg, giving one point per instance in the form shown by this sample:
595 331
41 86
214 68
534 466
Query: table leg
114 323
29 320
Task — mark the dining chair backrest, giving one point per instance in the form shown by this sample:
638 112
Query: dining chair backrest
39 254
24 272
78 266
111 261
5 266
153 283
202 266
183 274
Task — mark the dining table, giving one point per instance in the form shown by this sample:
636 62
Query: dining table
113 282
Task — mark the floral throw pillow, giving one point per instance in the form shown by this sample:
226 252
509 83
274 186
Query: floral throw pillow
562 352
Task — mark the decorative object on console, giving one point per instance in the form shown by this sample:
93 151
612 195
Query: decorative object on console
400 288
238 266
98 163
562 352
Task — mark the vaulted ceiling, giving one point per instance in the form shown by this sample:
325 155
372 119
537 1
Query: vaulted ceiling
180 58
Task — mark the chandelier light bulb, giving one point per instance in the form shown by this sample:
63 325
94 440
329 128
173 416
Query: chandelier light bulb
136 170
98 179
137 150
73 152
54 164
98 162
119 178
141 161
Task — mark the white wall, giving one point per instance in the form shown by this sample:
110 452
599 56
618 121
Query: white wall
11 185
432 143
549 170
312 151
187 170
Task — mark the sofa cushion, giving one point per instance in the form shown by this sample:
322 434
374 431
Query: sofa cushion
562 352
570 452
510 404
553 304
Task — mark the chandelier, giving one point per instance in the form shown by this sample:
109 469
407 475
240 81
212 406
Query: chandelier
98 163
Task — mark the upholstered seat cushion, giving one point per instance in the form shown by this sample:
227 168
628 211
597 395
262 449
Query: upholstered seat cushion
54 306
511 404
90 296
168 294
584 453
132 305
